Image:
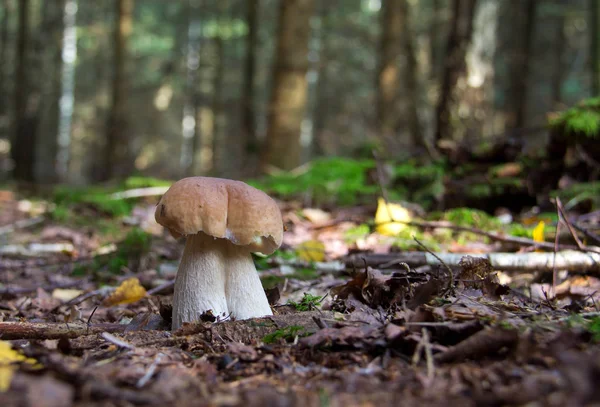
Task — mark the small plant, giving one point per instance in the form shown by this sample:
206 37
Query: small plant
582 120
289 333
594 328
308 302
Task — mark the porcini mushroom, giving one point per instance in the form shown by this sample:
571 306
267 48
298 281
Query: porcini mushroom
224 221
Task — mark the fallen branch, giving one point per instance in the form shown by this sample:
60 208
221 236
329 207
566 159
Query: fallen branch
479 345
48 330
570 260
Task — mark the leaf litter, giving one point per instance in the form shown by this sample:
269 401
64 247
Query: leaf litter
374 333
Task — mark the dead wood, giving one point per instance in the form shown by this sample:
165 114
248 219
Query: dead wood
570 260
479 345
49 330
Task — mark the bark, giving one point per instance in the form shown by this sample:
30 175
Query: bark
396 77
50 330
49 46
594 44
117 160
559 49
7 8
248 112
570 260
191 129
459 37
321 107
289 93
23 148
434 39
524 21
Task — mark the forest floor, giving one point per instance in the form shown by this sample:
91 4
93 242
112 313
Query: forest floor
85 305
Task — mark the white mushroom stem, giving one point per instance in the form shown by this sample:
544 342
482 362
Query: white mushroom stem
200 282
244 292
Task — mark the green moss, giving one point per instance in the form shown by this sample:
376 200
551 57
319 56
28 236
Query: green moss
581 120
580 192
145 182
289 333
307 303
355 233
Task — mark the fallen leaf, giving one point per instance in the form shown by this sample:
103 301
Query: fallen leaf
8 360
65 294
129 291
538 232
385 216
311 250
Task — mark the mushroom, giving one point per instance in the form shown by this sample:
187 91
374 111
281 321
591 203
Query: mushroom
224 222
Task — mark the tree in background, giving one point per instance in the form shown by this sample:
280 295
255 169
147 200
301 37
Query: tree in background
523 29
248 110
282 147
397 86
23 145
461 29
117 149
594 17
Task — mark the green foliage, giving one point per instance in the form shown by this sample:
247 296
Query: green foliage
594 328
341 179
419 183
145 182
67 197
583 119
471 218
357 232
289 333
307 303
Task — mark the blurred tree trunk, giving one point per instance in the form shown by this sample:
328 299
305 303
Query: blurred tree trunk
190 128
559 51
523 21
594 45
67 98
117 160
396 79
7 9
23 146
48 54
218 138
282 148
459 37
321 108
248 110
434 39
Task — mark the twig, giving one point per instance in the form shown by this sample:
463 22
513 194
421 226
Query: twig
428 355
521 241
48 330
479 345
561 213
587 233
161 287
116 341
26 290
451 282
146 377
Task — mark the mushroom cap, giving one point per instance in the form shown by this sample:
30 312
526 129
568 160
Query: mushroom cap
222 208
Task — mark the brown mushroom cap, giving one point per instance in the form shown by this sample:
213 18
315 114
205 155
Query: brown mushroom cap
222 208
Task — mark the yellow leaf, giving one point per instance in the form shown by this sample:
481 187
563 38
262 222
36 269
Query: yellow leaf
129 291
311 250
538 232
386 214
8 360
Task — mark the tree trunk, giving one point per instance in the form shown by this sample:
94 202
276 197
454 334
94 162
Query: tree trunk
289 94
67 98
23 148
117 160
7 8
396 79
594 31
434 39
459 37
190 127
321 107
524 28
248 111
